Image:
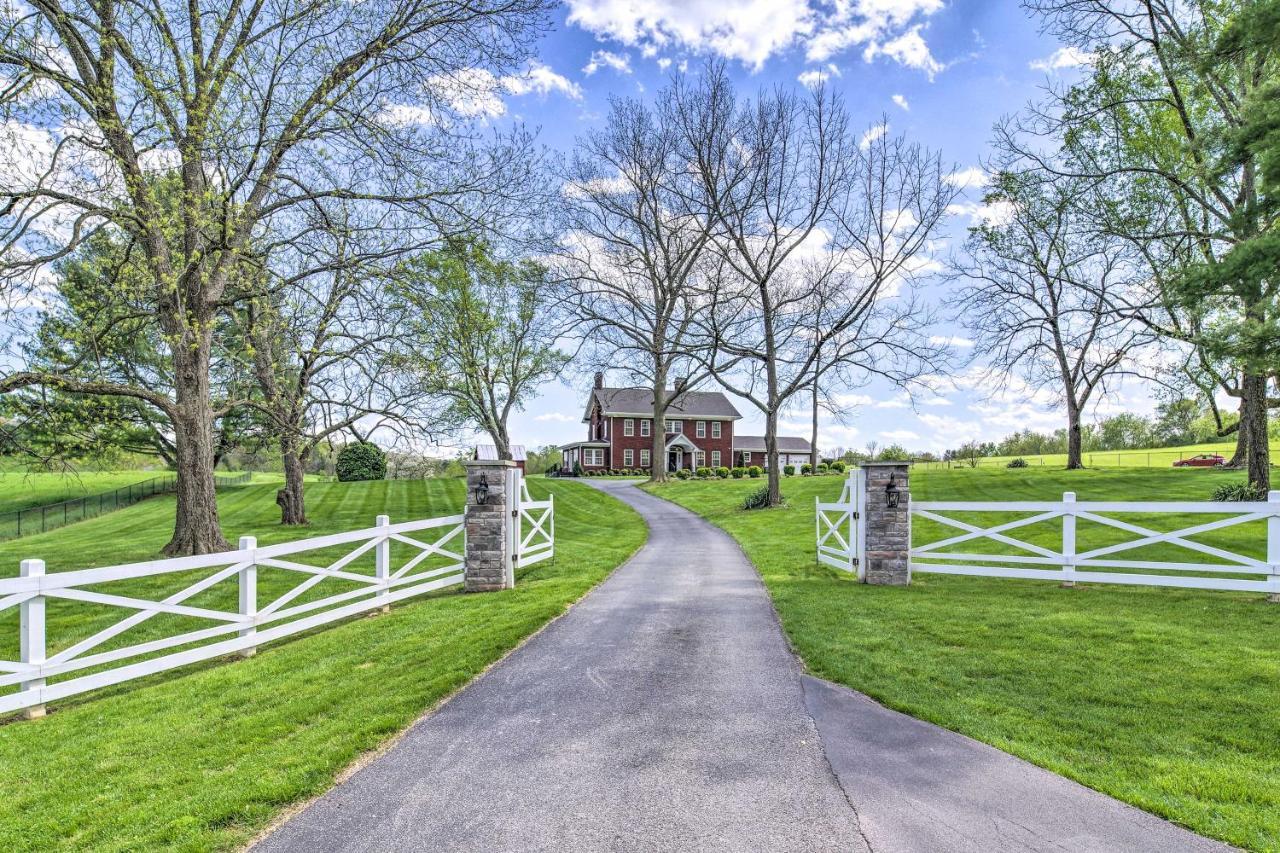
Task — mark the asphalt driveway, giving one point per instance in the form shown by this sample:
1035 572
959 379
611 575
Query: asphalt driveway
666 712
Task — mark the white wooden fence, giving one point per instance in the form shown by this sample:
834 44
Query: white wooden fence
251 625
1065 562
533 527
839 527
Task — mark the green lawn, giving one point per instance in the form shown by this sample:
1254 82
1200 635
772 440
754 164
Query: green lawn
1154 457
1164 698
21 489
204 758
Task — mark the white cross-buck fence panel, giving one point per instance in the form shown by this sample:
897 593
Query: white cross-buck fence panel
839 527
533 528
1070 564
252 624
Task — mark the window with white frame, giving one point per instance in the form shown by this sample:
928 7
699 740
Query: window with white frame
715 459
644 427
593 456
674 427
628 457
629 427
715 429
746 457
699 459
644 458
702 429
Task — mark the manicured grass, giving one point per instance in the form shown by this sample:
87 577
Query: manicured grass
22 489
1153 457
204 758
1164 698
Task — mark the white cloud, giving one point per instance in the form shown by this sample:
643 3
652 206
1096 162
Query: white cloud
955 341
813 77
540 79
899 435
996 213
970 177
908 49
664 63
479 93
556 417
873 133
902 102
1063 57
608 59
752 31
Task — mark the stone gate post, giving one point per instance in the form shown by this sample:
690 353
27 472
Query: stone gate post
887 529
487 565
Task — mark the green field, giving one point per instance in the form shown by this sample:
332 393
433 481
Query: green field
1163 698
204 758
1154 457
22 489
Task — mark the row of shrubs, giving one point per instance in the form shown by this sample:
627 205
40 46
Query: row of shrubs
721 473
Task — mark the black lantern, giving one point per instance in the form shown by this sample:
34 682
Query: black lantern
482 490
891 494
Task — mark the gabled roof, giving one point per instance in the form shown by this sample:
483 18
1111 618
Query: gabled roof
786 444
639 402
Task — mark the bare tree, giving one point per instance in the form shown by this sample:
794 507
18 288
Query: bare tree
631 249
1040 294
817 236
196 130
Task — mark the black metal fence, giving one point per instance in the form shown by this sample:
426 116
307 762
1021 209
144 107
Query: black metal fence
39 519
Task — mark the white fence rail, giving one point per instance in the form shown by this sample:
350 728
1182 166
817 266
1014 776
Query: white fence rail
1065 562
839 527
231 632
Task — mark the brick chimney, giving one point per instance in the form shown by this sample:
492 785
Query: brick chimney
599 379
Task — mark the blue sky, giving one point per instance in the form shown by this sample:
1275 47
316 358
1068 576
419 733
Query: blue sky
940 72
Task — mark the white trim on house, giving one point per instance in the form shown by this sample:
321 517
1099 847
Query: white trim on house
646 427
629 427
628 458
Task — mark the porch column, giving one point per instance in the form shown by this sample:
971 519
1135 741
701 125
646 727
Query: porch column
487 560
888 529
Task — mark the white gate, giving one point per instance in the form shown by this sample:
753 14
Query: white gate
533 527
839 527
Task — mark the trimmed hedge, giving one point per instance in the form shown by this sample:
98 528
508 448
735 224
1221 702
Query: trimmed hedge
361 460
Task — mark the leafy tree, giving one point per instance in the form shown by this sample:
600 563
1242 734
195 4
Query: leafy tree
361 460
487 330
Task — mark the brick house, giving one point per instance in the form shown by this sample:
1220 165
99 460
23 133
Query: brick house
699 432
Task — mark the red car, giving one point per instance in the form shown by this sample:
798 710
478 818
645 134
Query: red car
1204 460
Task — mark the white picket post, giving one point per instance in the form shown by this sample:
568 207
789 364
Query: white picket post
249 592
32 642
513 506
1273 546
552 498
382 560
1069 539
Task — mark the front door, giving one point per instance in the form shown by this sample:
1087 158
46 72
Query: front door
675 459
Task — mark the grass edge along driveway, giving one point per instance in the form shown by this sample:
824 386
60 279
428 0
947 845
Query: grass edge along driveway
204 758
1164 698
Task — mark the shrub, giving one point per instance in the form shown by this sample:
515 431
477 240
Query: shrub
683 474
722 472
789 470
361 460
1017 463
577 469
1239 492
738 472
755 471
806 468
838 466
759 499
823 467
704 473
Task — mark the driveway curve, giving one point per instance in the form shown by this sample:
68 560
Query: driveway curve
665 711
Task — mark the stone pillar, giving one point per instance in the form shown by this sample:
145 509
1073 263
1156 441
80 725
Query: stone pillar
888 530
487 566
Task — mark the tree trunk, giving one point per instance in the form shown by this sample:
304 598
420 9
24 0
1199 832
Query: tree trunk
771 457
658 450
1253 418
1074 460
196 528
813 446
1240 458
292 504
